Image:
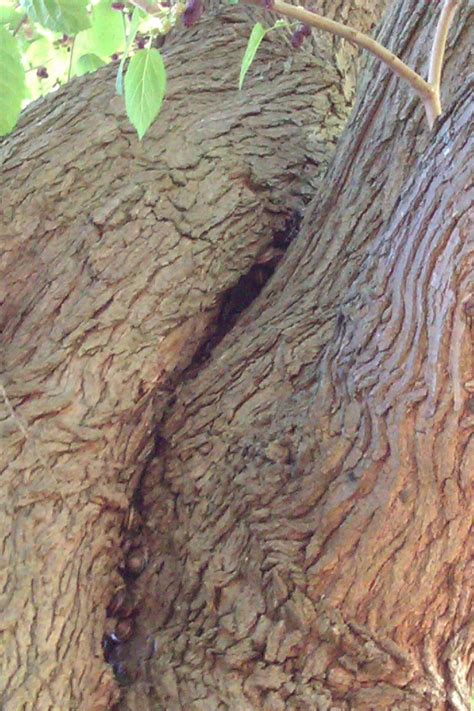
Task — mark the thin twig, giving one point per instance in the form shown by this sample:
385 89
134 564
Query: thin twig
418 84
69 71
439 44
15 31
427 91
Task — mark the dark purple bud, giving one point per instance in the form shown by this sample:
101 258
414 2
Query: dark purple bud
140 41
118 6
192 12
299 35
114 57
297 39
268 4
42 73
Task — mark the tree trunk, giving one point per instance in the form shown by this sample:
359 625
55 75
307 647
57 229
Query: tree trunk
300 477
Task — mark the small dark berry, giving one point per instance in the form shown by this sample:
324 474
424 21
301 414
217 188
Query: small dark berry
299 35
141 42
118 6
297 39
114 57
192 12
42 73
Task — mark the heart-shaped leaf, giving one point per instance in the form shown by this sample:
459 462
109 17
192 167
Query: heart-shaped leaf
145 85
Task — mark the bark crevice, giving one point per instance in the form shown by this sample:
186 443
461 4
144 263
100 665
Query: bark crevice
312 475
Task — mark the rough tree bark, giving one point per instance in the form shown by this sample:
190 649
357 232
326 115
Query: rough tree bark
304 486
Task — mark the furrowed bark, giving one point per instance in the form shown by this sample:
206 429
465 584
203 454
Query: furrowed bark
308 509
115 259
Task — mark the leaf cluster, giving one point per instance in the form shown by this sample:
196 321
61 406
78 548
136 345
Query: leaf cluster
44 43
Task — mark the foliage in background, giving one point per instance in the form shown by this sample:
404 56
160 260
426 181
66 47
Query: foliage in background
44 43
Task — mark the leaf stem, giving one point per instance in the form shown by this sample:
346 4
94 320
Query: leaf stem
15 31
69 71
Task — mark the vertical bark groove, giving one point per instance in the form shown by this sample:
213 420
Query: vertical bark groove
308 512
114 257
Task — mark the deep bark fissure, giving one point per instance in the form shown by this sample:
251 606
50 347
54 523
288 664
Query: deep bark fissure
239 297
300 457
402 669
233 303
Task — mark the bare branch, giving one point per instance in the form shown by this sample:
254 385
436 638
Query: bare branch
439 44
417 83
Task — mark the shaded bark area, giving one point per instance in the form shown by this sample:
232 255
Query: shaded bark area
114 261
308 512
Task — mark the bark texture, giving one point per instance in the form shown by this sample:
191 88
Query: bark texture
307 508
115 258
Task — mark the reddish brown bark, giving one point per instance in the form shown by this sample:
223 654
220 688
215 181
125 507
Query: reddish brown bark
307 507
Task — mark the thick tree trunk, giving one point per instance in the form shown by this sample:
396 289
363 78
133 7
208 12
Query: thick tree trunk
306 498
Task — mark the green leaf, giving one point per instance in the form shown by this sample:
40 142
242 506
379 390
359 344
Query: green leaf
88 63
67 16
12 81
145 85
105 36
257 35
10 16
107 29
131 36
38 52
